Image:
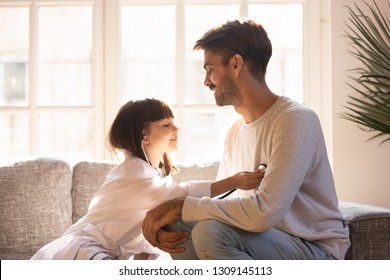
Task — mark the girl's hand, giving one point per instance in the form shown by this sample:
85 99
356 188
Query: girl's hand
244 180
247 180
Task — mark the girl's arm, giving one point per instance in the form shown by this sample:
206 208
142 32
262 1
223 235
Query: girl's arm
242 180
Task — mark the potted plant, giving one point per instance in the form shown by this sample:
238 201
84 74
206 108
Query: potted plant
368 34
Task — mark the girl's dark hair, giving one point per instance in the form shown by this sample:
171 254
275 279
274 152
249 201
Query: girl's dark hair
126 131
243 37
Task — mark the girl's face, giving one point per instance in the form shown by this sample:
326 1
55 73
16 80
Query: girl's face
161 136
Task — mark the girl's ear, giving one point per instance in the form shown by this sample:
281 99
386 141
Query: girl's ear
237 61
145 139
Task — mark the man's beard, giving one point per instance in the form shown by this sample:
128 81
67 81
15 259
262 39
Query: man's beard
227 92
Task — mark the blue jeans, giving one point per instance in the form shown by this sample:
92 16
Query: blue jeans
214 240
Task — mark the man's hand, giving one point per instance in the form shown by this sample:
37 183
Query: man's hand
169 241
160 216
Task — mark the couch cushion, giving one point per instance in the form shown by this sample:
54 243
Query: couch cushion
35 205
369 228
88 176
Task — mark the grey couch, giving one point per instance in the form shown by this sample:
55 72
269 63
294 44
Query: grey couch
40 198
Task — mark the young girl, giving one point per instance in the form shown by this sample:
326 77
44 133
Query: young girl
145 131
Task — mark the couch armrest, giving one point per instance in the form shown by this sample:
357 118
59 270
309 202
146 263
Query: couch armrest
369 228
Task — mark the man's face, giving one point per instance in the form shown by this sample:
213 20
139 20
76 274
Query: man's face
219 80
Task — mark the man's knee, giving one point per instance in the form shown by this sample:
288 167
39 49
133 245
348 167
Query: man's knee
207 237
178 225
189 253
207 228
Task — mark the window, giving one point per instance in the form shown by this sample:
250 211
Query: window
14 91
64 71
46 80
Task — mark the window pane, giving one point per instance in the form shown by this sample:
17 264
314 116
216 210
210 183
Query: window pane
148 79
148 52
14 49
285 69
211 15
205 135
66 135
65 51
14 136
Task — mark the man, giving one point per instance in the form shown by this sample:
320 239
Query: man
294 213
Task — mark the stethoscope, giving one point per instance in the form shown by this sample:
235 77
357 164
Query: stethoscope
262 167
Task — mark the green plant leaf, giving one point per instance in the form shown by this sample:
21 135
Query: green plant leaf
368 34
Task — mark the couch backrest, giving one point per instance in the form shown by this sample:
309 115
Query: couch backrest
196 171
88 176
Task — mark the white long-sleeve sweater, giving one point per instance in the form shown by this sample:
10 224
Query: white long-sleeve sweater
297 194
116 212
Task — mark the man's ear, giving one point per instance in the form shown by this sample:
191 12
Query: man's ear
237 62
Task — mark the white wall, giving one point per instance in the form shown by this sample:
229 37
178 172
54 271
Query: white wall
361 169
